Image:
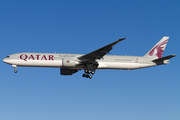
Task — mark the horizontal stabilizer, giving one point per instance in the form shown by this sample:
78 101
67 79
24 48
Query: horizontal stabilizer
164 58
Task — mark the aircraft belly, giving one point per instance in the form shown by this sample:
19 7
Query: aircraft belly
37 63
120 65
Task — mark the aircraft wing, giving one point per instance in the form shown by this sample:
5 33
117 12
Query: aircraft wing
98 54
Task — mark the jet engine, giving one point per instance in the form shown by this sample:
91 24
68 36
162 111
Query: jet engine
64 71
69 62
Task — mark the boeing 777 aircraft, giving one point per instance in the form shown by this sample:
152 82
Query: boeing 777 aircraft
71 63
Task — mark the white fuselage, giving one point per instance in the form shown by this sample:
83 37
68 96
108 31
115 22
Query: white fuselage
56 60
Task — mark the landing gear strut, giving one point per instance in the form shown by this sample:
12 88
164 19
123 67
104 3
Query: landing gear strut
15 67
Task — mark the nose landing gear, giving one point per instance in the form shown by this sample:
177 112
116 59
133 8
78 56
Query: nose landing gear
15 71
15 67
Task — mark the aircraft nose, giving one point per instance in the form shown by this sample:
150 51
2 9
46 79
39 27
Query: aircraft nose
5 60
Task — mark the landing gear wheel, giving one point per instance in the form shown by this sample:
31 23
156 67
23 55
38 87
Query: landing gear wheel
15 71
86 71
90 76
84 75
92 72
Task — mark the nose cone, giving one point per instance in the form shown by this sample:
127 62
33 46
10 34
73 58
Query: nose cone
5 60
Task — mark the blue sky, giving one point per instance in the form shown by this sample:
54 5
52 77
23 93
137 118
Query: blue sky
81 27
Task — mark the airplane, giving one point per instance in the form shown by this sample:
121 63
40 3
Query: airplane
72 63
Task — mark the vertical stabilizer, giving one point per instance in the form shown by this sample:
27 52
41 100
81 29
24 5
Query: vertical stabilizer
158 49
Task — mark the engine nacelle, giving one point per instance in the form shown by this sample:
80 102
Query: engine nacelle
69 62
64 71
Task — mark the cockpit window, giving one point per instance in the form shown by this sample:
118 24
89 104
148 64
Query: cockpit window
7 56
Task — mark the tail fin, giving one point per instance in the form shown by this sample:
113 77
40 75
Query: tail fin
158 49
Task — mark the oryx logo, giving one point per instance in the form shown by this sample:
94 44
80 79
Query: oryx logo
67 61
158 49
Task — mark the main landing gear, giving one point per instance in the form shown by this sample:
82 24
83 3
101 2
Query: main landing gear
88 73
15 67
90 69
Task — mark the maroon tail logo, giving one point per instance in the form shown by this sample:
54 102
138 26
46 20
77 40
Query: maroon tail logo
159 48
